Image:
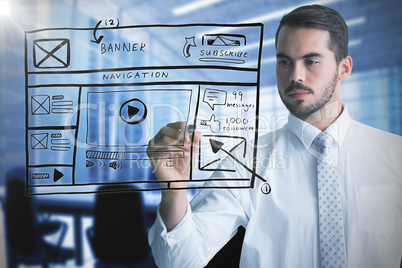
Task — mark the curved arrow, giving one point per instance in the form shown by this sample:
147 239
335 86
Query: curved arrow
190 42
97 40
217 145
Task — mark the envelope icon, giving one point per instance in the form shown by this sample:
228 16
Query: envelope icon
39 141
51 53
40 104
210 158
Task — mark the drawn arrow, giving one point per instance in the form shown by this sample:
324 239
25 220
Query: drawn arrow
97 40
190 42
217 145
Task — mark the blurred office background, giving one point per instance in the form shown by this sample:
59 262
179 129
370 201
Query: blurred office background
373 93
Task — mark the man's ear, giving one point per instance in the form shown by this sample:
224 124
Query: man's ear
345 68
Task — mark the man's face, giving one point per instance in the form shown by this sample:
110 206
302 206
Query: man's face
306 70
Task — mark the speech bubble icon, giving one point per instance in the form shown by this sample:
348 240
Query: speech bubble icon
214 97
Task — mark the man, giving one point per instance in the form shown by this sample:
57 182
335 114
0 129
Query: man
287 228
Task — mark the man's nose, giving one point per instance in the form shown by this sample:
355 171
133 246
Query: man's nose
297 73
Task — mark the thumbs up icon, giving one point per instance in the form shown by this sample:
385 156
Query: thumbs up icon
214 125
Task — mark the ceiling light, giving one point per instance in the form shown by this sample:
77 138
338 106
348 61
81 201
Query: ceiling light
193 6
355 42
4 8
356 21
280 13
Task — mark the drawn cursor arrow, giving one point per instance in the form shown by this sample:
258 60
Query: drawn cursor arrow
97 40
217 145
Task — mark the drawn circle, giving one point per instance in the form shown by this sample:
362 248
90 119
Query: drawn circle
133 111
266 188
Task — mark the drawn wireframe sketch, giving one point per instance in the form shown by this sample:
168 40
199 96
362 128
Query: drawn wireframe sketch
96 96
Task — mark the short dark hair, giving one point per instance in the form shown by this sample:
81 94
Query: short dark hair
323 18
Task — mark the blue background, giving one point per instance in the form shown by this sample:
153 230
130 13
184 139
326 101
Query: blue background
373 93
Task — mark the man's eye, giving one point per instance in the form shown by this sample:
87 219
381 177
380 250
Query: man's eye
311 62
283 62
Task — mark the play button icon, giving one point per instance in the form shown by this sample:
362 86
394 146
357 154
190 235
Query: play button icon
57 175
133 111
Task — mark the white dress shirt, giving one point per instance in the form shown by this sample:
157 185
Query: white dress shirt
282 227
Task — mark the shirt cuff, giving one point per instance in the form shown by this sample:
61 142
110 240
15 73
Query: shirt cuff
179 232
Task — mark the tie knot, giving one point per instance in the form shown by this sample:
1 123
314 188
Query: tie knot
323 141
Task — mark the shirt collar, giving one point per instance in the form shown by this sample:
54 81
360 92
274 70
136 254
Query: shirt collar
307 132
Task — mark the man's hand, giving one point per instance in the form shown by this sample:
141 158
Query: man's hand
169 153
